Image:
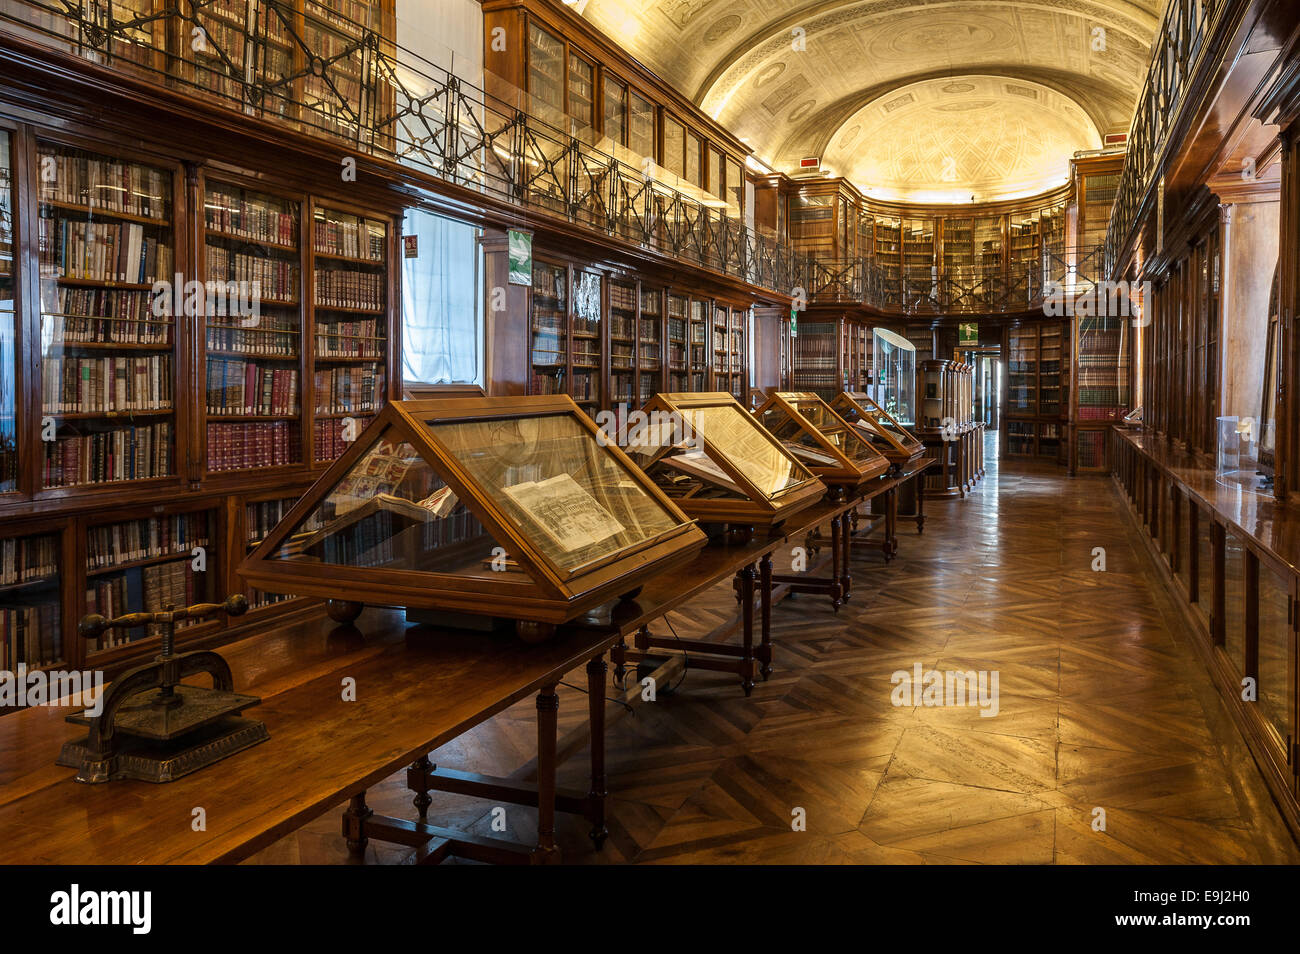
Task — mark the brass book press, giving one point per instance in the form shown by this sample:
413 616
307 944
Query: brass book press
151 727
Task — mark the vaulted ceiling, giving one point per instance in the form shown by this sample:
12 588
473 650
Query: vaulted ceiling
927 100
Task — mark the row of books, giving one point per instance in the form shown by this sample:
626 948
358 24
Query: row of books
346 14
263 516
102 251
1100 342
236 11
275 277
30 635
622 296
235 213
129 540
351 238
333 437
545 383
236 386
622 326
349 390
224 44
247 445
349 339
24 559
1100 412
115 383
340 288
143 589
124 453
124 187
121 304
273 337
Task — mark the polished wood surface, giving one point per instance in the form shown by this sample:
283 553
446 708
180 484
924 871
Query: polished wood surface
1103 704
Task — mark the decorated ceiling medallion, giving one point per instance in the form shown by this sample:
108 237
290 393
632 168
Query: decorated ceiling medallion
769 73
721 28
802 110
956 87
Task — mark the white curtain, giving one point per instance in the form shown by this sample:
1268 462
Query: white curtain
442 302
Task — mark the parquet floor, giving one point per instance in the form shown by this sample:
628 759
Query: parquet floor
1101 706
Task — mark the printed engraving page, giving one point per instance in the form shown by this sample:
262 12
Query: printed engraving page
568 514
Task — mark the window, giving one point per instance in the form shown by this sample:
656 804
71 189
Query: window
442 301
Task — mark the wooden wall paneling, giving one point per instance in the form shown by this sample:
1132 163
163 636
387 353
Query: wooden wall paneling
507 367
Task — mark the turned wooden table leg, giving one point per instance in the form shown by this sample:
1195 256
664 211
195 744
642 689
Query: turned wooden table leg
619 655
837 547
548 708
746 579
920 501
417 779
354 823
846 547
596 670
765 615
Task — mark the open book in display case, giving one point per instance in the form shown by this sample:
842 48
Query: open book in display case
718 464
879 427
821 440
486 508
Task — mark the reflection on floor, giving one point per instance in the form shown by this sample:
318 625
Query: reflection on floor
1101 707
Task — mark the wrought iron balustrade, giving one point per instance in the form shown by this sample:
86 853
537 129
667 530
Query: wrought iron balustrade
329 76
1176 56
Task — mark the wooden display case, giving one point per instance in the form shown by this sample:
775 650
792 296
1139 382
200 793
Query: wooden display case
821 440
488 507
878 426
719 464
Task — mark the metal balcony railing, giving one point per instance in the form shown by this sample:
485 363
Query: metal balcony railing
1068 272
331 77
1176 56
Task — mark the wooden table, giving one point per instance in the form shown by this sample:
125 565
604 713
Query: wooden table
415 690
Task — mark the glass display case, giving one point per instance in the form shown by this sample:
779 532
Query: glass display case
820 439
893 362
488 507
877 426
936 394
1237 458
714 459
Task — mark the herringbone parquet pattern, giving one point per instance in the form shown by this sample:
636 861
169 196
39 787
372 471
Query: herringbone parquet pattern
1101 706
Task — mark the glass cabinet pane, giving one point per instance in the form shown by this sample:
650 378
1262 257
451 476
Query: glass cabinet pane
550 322
622 341
1277 656
8 339
31 631
641 124
582 91
252 368
615 111
674 146
586 341
107 346
545 71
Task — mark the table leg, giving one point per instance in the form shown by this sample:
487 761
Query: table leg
846 543
837 547
354 822
746 579
619 655
596 669
417 779
919 480
765 615
548 709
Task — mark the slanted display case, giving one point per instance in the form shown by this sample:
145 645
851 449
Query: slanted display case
718 464
880 428
487 507
821 440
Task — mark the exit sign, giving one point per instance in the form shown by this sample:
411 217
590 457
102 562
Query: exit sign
810 162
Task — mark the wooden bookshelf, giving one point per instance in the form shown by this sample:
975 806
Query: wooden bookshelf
678 343
105 234
1037 399
254 366
650 344
621 325
350 330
